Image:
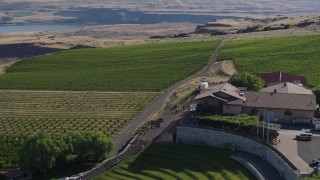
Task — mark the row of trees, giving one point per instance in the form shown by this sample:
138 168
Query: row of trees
44 151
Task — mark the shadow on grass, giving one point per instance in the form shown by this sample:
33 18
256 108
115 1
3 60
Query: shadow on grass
64 171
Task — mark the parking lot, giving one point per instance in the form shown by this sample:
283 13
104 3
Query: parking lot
300 153
309 150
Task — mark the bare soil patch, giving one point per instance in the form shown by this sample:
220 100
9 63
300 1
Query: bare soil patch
223 68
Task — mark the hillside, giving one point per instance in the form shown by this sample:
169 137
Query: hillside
298 55
150 67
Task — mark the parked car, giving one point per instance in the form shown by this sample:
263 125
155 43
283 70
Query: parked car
316 161
304 136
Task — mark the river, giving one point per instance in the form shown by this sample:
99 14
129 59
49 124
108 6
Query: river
26 28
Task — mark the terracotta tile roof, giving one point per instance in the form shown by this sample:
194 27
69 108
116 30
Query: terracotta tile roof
277 77
287 87
280 100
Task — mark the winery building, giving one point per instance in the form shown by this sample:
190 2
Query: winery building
286 102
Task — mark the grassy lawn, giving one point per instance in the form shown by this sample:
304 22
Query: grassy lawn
298 55
172 161
149 67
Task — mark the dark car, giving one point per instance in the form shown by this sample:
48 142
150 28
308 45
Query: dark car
304 136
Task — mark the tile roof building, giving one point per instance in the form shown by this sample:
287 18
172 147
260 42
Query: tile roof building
284 104
287 87
281 77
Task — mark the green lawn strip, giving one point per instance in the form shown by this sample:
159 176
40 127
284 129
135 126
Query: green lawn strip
120 174
128 68
137 173
299 55
183 162
159 174
202 159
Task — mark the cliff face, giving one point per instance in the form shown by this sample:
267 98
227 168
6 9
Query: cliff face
24 50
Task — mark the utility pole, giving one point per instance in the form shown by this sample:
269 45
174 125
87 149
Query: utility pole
258 126
263 130
268 131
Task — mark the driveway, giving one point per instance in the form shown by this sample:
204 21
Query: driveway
268 171
126 134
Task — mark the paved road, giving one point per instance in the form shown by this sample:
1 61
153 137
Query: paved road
169 125
268 171
124 137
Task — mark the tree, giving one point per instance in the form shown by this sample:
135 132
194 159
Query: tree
39 152
44 151
316 91
91 146
102 146
251 81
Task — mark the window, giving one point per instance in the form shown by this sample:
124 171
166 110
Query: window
254 111
288 113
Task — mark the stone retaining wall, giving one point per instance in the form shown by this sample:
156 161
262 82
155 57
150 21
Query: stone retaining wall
192 135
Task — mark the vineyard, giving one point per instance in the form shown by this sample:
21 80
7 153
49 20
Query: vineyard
149 67
172 161
299 55
24 112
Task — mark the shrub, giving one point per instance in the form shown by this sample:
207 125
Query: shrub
242 119
251 81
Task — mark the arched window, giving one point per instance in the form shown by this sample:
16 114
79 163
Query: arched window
288 113
254 111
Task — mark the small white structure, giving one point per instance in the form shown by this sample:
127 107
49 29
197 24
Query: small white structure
317 125
204 85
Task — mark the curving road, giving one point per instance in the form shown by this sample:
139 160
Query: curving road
127 133
268 171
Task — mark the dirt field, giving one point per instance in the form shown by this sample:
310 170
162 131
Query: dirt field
100 36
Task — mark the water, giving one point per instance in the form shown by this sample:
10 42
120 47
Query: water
27 28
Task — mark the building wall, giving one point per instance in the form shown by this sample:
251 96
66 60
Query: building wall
221 139
280 113
231 109
210 102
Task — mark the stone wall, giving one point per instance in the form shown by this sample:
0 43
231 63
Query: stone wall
192 135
